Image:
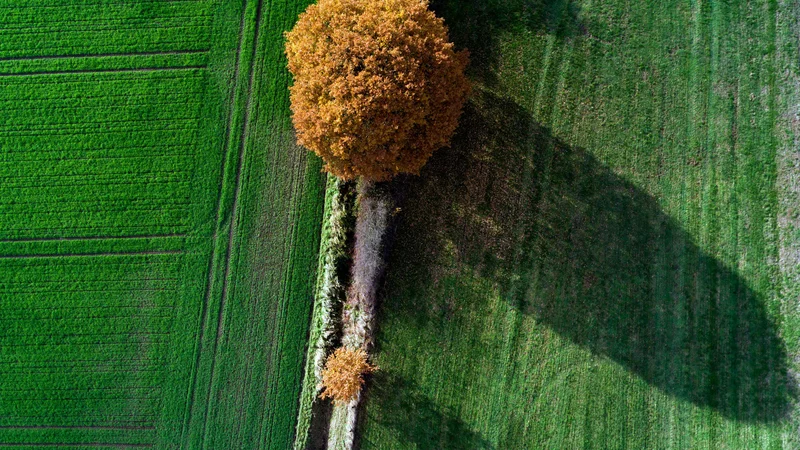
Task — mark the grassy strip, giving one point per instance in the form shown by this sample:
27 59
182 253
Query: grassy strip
375 205
343 426
374 215
788 166
334 260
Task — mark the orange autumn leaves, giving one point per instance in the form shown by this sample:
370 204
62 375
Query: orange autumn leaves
377 87
344 374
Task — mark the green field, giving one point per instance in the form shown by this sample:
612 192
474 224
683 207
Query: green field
158 225
608 256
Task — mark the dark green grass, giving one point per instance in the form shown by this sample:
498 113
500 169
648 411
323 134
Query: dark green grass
158 226
596 262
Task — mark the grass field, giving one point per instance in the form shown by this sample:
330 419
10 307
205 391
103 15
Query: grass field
607 257
158 225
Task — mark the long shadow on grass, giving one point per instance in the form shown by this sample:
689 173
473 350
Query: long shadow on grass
480 25
594 258
418 420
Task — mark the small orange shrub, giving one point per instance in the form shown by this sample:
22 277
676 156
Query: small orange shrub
377 85
344 374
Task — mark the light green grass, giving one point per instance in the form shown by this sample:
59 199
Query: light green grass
598 261
158 225
332 275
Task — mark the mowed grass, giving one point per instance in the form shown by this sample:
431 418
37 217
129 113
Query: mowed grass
607 255
158 225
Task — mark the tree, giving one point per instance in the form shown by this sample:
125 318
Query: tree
344 374
377 86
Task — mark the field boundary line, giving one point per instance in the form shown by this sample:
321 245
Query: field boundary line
95 238
29 6
75 72
165 43
103 55
74 444
64 335
75 427
81 255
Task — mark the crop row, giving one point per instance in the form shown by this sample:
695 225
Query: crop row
102 85
76 408
33 119
78 191
104 300
103 28
134 41
95 354
91 223
74 350
70 167
101 143
121 225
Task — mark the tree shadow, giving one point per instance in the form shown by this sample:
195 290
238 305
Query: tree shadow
417 419
594 258
479 25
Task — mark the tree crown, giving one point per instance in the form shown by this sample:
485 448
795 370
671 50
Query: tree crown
377 86
343 375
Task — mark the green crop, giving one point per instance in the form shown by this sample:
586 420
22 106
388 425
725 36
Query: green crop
606 256
159 227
